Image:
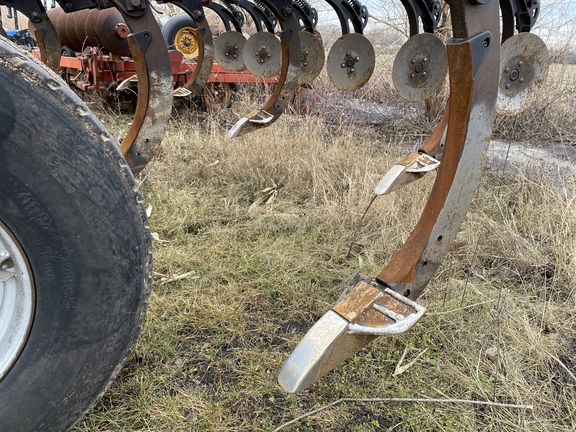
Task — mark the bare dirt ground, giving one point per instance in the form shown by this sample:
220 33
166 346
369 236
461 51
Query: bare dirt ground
555 162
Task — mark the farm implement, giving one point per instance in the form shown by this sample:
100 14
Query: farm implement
96 57
75 245
101 73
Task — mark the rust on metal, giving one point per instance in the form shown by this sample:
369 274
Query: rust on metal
357 305
78 29
201 74
473 64
351 61
524 66
348 345
402 266
288 78
73 42
420 67
228 51
360 297
262 54
431 146
312 57
111 31
90 27
58 17
154 104
44 33
409 158
401 270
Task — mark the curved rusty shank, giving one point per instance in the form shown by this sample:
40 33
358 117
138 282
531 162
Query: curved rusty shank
200 76
473 57
473 89
44 31
434 146
416 165
154 104
288 79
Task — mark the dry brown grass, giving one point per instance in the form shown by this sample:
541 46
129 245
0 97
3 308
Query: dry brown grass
261 228
550 117
259 274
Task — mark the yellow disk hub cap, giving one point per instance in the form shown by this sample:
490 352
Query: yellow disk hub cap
187 42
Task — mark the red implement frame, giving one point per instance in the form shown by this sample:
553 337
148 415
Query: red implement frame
104 70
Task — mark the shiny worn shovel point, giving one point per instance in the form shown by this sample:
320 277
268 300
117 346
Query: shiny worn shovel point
371 312
322 349
303 366
258 117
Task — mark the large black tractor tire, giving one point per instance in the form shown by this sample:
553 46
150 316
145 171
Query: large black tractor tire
173 25
71 211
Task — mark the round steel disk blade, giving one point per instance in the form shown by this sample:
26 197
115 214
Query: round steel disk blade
420 67
228 50
312 57
351 61
263 54
523 68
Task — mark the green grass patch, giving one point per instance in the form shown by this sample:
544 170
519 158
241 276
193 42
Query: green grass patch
255 239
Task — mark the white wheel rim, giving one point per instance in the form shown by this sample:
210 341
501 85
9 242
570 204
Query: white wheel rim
16 299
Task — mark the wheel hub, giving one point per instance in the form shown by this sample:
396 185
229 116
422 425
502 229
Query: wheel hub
16 299
186 41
